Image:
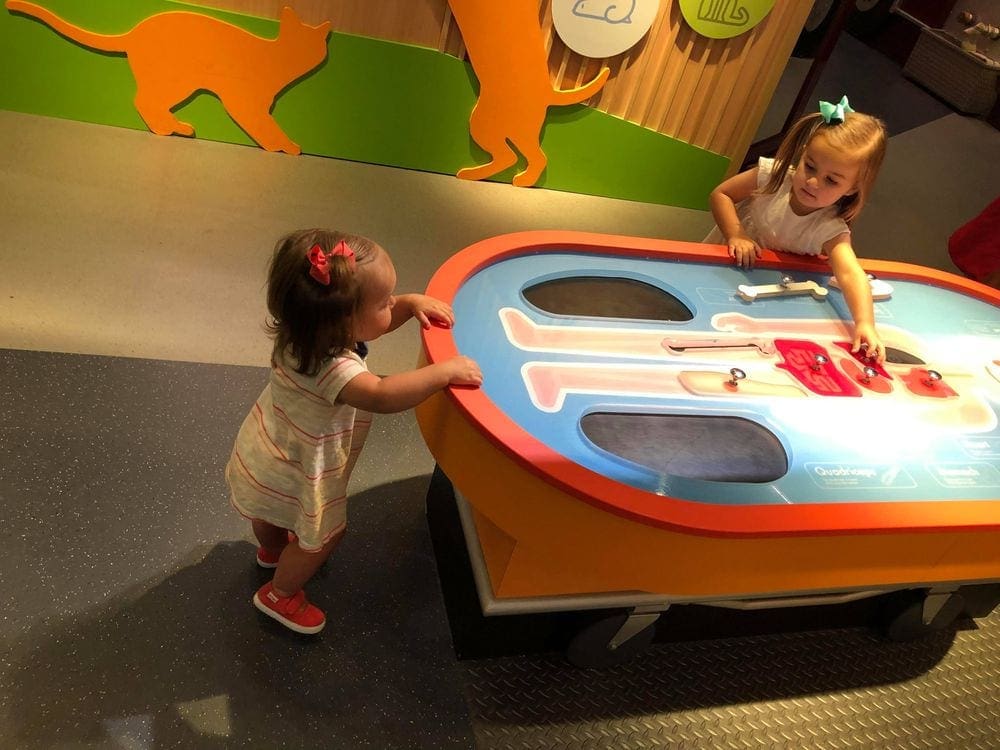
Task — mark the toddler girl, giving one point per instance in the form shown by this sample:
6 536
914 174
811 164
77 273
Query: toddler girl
327 294
803 200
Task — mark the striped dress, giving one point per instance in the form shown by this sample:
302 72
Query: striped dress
296 449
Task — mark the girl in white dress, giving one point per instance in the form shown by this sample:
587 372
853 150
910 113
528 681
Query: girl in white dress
327 294
803 201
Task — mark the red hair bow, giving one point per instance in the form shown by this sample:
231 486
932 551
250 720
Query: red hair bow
320 265
320 261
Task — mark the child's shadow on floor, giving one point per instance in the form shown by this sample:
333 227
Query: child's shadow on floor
190 663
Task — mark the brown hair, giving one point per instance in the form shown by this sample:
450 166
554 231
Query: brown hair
859 136
308 319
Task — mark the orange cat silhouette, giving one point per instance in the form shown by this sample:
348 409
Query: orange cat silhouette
174 54
507 50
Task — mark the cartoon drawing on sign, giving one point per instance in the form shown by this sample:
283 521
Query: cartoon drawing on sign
175 54
724 19
605 10
603 28
727 12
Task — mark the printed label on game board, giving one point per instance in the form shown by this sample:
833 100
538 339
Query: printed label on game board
985 447
859 476
988 327
715 296
965 475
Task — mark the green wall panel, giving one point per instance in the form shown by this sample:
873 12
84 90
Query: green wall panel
371 100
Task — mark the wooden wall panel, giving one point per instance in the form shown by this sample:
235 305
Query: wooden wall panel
711 93
418 22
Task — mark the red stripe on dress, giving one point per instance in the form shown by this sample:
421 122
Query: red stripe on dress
333 532
315 438
336 366
336 530
298 386
259 413
278 495
297 465
263 487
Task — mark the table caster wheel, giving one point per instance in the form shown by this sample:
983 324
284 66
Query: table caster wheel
595 644
914 614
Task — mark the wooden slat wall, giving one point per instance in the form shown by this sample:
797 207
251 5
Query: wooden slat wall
711 93
411 21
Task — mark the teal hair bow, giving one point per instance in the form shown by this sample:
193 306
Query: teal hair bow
835 112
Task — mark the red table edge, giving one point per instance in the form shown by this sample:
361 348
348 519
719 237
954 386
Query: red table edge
673 513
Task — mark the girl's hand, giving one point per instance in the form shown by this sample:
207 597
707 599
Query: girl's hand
744 250
866 340
463 371
426 309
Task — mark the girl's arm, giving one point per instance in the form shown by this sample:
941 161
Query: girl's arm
723 202
395 393
857 291
423 308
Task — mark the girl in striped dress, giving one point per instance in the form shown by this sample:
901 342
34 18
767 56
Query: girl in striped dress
327 294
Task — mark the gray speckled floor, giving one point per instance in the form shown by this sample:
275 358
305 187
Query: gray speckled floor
130 579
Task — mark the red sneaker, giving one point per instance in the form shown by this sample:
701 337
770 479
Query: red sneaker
294 612
268 558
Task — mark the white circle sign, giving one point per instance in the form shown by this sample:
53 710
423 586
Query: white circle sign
602 28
